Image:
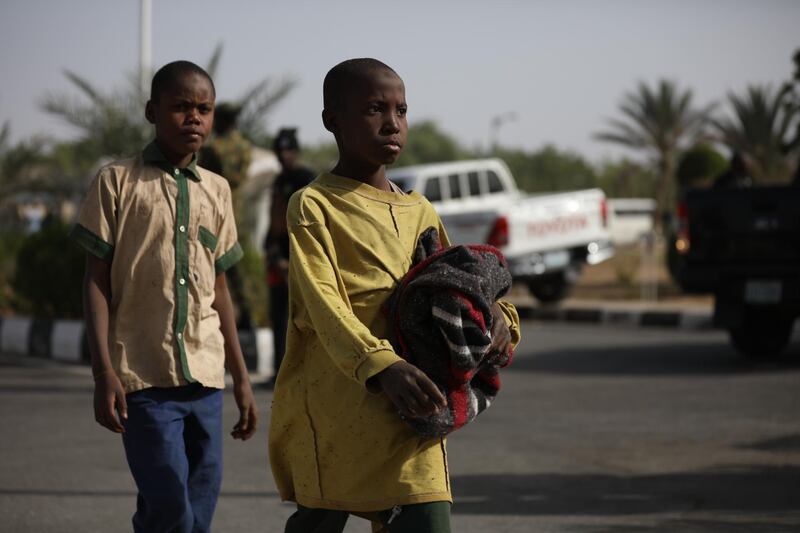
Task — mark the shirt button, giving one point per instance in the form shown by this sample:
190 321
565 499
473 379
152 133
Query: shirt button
182 281
177 171
182 229
180 335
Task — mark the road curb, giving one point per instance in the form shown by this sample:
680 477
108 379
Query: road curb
685 320
65 341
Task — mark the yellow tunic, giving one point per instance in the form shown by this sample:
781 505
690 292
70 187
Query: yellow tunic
333 444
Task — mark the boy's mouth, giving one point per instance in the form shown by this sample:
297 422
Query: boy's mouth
394 146
193 134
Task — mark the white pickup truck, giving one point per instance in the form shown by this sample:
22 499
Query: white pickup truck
546 238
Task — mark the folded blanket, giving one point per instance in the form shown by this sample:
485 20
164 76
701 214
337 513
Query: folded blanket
441 318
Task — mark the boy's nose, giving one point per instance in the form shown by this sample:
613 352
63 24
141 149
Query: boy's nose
391 124
193 116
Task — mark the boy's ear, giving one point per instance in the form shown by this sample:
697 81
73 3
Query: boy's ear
149 113
329 121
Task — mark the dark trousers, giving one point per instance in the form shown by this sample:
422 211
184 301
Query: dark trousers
279 315
431 517
173 442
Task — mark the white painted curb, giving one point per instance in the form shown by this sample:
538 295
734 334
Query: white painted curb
264 348
67 341
14 335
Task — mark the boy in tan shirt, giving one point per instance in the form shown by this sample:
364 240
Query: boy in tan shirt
160 233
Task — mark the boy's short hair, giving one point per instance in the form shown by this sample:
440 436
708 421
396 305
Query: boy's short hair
340 77
169 73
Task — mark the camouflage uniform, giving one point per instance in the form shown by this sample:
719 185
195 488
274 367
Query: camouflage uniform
230 155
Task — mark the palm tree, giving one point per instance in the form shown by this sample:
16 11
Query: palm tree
659 121
21 165
113 125
759 128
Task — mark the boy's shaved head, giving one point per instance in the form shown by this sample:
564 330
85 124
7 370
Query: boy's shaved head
344 75
171 72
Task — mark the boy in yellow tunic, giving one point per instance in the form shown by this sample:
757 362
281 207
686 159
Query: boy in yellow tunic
337 443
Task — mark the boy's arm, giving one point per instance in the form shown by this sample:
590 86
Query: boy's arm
355 350
234 361
109 395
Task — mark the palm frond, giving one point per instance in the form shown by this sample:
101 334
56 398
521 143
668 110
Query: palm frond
86 87
213 63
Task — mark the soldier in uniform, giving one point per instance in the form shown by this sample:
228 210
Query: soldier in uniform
229 154
292 178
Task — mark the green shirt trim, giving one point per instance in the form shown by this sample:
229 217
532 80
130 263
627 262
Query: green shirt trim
152 155
207 239
182 278
91 243
230 258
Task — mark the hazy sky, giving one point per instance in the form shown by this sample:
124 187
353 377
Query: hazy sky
560 66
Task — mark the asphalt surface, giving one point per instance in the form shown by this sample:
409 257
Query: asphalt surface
597 429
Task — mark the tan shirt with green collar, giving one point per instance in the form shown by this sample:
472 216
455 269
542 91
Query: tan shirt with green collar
168 233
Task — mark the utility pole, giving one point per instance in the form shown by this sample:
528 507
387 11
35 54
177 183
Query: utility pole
145 47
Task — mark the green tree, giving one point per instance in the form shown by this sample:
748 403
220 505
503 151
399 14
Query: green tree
22 165
759 129
658 121
113 125
427 143
699 166
548 169
626 179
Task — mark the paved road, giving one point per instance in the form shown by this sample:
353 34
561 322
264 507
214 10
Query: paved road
597 429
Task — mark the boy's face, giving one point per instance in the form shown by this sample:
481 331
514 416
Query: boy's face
183 115
371 126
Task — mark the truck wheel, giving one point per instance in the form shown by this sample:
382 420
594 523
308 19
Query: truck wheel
762 336
550 288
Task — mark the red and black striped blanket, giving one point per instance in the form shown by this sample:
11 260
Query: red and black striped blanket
441 322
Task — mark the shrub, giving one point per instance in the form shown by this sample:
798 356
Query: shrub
48 275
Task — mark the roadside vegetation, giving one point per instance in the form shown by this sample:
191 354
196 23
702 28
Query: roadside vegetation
674 141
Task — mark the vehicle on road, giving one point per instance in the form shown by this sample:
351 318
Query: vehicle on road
546 238
743 246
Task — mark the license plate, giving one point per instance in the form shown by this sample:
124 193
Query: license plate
763 292
556 259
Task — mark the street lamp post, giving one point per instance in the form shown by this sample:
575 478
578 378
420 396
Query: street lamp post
494 127
145 47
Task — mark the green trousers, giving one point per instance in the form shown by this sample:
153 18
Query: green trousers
418 518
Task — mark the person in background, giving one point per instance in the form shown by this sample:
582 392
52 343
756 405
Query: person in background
229 154
292 178
736 176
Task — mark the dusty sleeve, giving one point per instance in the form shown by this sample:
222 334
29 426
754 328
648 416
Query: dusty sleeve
512 320
96 228
227 251
354 349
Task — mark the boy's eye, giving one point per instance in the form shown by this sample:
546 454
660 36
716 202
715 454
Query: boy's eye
402 111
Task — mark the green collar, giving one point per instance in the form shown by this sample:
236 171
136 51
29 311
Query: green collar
152 155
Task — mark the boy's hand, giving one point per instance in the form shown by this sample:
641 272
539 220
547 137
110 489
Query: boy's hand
410 390
501 336
110 408
248 415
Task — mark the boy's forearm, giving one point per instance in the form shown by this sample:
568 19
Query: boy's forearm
96 303
234 360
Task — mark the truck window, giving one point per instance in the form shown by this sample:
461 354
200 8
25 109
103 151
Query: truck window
495 185
433 189
474 184
404 183
455 185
